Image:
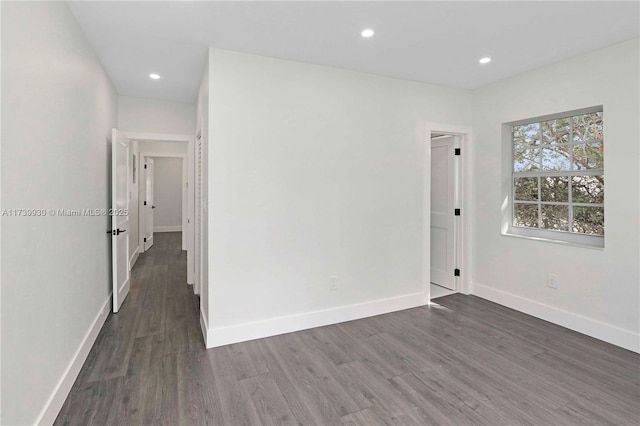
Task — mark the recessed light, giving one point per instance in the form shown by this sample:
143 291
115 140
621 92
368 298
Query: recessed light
154 76
367 33
485 60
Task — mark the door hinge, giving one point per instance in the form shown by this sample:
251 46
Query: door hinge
145 166
145 240
456 272
145 203
456 212
457 151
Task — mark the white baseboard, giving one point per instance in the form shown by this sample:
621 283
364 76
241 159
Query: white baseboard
177 228
221 336
134 258
63 387
591 327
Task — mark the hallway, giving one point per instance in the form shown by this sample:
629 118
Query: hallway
132 373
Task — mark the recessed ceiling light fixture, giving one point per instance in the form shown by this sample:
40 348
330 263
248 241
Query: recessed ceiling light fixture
485 60
367 33
154 76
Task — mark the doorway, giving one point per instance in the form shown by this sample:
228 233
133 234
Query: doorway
443 214
145 146
163 200
445 241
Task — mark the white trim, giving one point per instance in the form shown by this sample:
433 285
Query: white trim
134 258
221 336
157 137
63 387
176 228
602 331
204 327
162 154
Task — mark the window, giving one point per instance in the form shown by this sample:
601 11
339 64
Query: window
557 178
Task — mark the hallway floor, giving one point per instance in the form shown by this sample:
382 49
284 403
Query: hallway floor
462 361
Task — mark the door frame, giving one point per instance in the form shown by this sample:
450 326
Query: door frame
171 137
462 199
184 195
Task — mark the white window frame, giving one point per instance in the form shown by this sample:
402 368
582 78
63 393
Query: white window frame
508 190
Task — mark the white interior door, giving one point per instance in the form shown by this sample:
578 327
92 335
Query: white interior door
148 204
442 213
120 218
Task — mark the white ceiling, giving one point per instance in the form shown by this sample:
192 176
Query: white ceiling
432 42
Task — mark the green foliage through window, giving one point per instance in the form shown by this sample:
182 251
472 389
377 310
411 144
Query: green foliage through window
558 174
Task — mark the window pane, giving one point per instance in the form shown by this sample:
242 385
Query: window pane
555 188
587 127
588 156
588 220
556 158
526 188
587 189
526 160
525 215
526 135
556 131
546 156
555 217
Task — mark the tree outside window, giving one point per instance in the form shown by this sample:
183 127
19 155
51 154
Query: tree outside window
558 174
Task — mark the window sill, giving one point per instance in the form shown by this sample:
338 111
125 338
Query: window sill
553 241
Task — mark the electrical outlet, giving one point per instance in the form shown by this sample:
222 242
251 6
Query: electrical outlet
333 283
553 281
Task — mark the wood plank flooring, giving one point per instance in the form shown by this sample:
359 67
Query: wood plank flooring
462 361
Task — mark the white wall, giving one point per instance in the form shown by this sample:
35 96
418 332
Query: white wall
599 289
58 108
155 116
167 191
315 172
162 147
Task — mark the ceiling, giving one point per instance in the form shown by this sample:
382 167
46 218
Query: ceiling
431 42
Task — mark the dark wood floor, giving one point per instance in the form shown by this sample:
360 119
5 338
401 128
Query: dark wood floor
464 361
